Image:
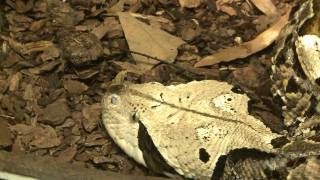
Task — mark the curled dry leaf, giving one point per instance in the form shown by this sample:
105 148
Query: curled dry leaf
246 49
28 47
148 40
266 6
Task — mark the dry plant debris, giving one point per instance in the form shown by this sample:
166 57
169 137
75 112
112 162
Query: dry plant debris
262 41
266 6
160 44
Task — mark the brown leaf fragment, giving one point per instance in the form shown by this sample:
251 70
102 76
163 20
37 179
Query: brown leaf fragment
36 137
110 27
37 25
56 113
100 159
50 53
266 6
75 87
190 3
246 49
5 134
309 170
36 46
87 73
91 116
45 67
95 139
129 67
28 48
148 40
15 81
68 154
229 10
45 137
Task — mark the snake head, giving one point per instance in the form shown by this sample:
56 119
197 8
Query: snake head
121 123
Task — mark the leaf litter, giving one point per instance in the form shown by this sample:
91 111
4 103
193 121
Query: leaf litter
160 44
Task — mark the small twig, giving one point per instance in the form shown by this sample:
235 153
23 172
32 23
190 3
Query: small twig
142 54
6 116
180 67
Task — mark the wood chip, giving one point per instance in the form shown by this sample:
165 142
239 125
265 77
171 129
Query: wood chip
190 3
5 134
56 113
91 116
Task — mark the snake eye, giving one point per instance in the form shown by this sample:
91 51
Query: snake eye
114 100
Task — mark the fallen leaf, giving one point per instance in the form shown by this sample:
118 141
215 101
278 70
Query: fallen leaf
148 40
157 21
265 6
262 41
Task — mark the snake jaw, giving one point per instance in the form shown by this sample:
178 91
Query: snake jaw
121 127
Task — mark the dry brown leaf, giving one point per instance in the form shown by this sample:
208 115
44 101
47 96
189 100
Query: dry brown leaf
129 67
190 3
110 27
266 6
15 81
262 41
229 10
27 47
148 40
75 87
